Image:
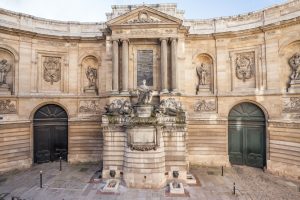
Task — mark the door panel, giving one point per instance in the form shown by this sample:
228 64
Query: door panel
246 135
42 144
50 134
254 146
236 145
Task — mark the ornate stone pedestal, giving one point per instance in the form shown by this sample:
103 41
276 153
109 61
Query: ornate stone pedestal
4 89
90 90
202 89
135 138
294 86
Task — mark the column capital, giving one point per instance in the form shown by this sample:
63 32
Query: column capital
162 39
124 40
174 39
115 40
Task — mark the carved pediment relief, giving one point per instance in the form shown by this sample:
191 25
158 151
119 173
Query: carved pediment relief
144 16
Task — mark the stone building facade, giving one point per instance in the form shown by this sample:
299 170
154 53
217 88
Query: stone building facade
229 73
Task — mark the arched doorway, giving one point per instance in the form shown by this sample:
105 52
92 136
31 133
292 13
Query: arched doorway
50 125
246 135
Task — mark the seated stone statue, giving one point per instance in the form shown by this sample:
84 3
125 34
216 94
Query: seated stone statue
144 94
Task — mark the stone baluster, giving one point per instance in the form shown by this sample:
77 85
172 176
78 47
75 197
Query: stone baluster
164 65
174 64
115 69
125 66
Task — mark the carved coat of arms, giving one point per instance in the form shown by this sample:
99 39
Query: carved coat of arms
245 65
52 69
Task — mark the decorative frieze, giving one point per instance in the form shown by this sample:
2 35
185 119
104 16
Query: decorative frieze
52 69
205 105
291 105
245 65
8 106
89 107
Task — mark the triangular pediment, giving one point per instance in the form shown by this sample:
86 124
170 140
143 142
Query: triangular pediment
144 16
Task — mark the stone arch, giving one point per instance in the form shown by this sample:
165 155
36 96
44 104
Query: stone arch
37 107
204 73
10 56
252 102
90 66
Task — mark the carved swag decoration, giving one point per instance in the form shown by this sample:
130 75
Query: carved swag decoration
294 63
52 69
7 107
245 64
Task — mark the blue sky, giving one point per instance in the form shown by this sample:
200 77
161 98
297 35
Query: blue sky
94 10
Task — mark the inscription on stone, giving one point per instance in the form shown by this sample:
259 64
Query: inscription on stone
145 67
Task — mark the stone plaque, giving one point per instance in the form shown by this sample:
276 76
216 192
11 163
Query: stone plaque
145 67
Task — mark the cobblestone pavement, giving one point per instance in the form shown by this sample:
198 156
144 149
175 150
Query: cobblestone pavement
73 182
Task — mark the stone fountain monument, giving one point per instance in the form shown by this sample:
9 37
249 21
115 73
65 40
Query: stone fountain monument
144 143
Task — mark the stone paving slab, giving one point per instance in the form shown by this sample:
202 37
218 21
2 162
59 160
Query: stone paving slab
73 183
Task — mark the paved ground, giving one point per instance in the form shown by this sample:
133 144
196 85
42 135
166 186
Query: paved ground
74 183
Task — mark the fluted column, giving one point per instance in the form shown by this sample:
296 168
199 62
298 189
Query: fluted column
174 64
164 65
124 65
115 70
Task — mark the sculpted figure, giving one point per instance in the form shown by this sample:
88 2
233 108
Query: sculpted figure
91 74
4 69
144 94
202 74
294 62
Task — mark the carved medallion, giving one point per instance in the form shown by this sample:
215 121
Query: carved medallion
294 63
205 105
52 69
245 65
8 107
291 105
143 17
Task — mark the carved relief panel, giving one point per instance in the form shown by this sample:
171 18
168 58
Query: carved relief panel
291 105
244 68
204 73
52 72
8 106
6 72
89 75
89 107
205 105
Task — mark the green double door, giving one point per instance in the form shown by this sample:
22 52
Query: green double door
246 135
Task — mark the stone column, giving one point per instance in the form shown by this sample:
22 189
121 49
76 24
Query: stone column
125 66
164 65
174 64
115 69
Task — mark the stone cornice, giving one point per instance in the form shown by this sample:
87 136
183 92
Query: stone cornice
275 17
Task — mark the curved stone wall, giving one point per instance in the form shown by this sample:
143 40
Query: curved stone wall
266 39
